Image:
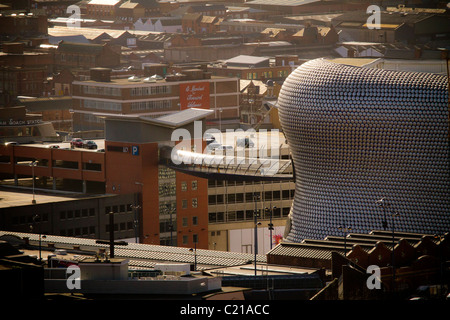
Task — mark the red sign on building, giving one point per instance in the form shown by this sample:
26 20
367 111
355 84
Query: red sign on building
194 95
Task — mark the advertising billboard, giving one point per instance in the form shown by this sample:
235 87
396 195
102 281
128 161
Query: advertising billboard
194 95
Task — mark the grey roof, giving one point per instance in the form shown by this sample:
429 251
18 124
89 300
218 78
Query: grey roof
47 103
286 3
144 255
181 118
244 59
171 120
385 17
69 38
322 249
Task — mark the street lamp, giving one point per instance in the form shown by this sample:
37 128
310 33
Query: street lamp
252 115
270 223
37 219
255 216
441 238
111 234
383 204
136 220
32 165
345 229
220 119
394 215
171 210
136 208
195 255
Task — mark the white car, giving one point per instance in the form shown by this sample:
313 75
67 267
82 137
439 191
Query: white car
225 148
213 146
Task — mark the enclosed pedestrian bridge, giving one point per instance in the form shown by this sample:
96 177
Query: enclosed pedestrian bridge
240 165
245 155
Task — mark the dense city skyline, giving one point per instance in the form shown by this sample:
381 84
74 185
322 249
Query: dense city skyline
294 149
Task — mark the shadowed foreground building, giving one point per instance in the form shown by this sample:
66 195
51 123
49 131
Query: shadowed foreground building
360 135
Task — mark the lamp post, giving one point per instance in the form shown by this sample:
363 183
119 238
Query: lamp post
382 203
270 223
135 208
195 255
111 234
251 102
171 210
256 223
220 119
441 269
32 165
37 219
344 228
394 215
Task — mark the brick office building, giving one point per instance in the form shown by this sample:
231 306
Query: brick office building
82 56
149 200
22 72
174 205
153 96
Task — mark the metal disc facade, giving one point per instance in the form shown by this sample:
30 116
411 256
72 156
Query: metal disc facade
358 135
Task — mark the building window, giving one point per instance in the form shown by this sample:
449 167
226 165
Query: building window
195 238
151 105
194 185
184 204
185 222
102 105
183 186
194 203
167 189
194 221
166 173
185 239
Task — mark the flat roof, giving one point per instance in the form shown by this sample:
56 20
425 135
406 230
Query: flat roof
181 118
172 120
244 59
104 2
284 3
140 81
66 145
142 255
12 196
357 62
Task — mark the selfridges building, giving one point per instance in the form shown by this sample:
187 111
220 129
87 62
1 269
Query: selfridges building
370 149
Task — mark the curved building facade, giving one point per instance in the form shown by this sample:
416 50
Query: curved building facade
359 135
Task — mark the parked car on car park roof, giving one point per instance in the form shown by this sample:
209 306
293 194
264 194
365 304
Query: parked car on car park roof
76 142
89 144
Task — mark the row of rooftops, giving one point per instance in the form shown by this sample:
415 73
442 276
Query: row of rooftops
140 255
318 253
146 255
